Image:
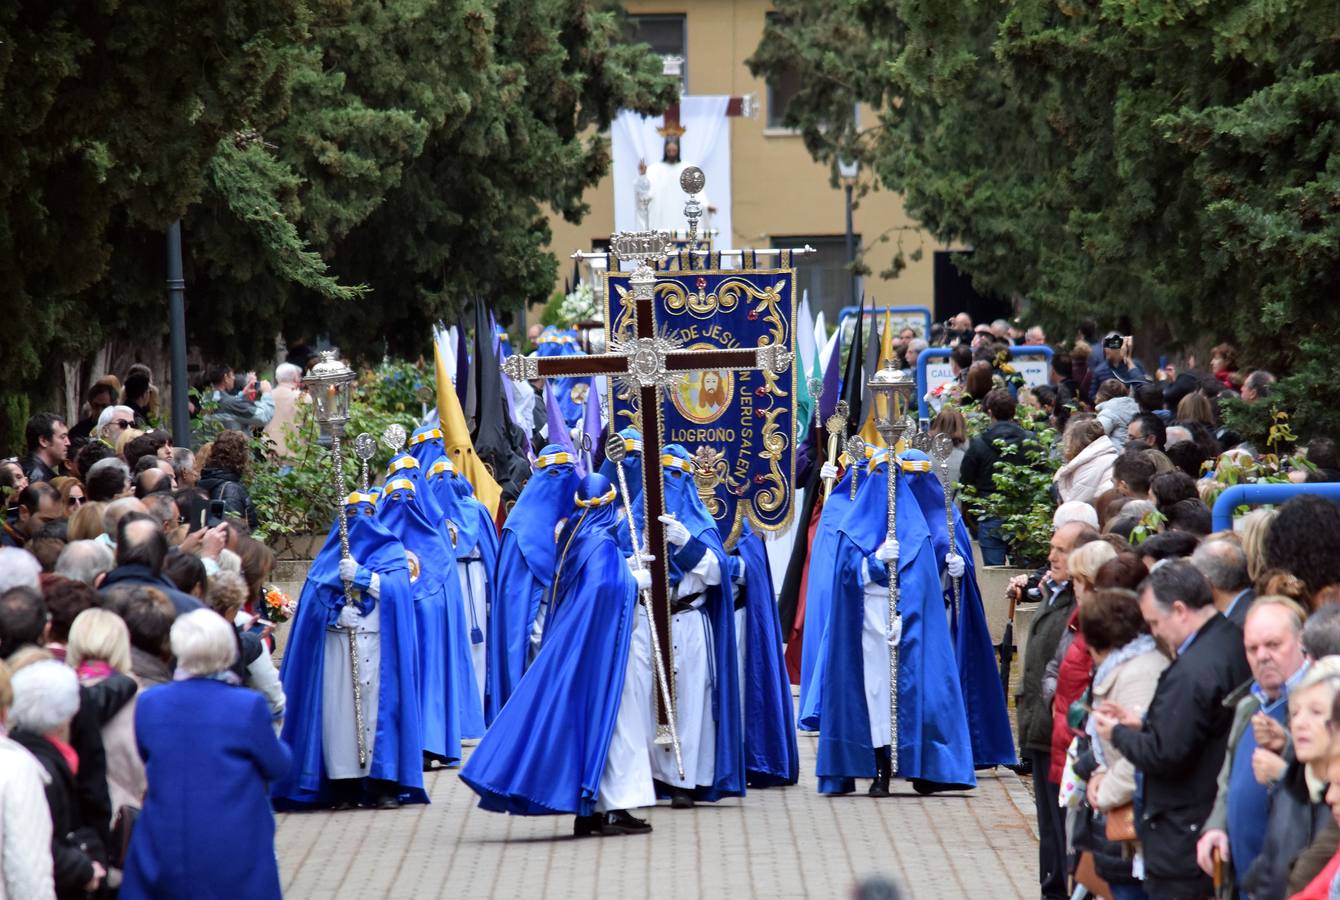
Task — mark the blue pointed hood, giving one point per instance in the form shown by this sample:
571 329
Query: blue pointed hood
546 499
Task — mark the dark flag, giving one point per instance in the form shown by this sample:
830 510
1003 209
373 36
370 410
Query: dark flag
497 439
789 598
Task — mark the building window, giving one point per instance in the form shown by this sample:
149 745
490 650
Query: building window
666 34
781 88
823 273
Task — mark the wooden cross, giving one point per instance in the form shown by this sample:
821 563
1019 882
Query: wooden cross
646 364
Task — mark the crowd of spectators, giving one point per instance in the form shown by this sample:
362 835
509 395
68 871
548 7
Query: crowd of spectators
131 590
1178 700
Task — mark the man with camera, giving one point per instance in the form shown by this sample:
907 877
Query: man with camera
1118 362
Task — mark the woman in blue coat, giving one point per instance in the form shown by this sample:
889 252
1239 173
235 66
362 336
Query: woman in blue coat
210 754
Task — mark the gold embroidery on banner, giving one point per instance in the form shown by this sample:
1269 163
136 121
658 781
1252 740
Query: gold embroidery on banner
764 303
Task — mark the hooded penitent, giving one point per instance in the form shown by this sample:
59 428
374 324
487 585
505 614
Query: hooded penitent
546 751
397 748
526 564
933 742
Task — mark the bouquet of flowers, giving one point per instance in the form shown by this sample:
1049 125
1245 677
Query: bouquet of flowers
579 306
277 607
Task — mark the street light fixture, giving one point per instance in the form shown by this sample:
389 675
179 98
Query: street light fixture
849 172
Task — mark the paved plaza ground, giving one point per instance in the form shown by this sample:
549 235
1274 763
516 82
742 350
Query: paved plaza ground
772 843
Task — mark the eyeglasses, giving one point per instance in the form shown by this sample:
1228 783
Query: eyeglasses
75 501
122 423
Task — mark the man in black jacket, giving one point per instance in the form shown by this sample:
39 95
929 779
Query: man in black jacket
141 548
1178 745
979 464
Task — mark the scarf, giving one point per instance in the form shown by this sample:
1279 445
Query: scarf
1143 644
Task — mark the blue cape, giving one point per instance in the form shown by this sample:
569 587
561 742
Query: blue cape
447 695
818 596
933 742
398 743
681 500
770 752
526 561
979 675
546 751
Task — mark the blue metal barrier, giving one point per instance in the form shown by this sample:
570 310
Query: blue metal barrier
1262 494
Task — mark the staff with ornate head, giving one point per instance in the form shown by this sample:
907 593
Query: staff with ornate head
942 447
837 433
330 381
364 448
856 458
892 390
615 451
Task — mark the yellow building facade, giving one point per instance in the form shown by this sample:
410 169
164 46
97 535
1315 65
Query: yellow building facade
780 196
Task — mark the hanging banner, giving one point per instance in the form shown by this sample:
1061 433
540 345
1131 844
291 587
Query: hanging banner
738 424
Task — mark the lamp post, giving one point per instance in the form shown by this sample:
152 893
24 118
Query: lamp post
176 286
849 172
330 382
892 390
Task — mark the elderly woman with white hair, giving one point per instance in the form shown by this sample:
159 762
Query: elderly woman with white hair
46 698
210 755
25 823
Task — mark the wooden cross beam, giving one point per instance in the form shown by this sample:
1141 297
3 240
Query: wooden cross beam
647 363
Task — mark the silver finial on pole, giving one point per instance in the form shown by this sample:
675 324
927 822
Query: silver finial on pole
942 448
365 447
692 180
394 437
856 459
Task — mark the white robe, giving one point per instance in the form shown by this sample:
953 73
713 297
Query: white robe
626 782
875 659
339 737
474 589
692 655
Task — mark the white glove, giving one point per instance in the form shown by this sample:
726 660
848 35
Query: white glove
888 551
675 532
348 569
896 631
954 564
828 472
349 617
640 574
374 589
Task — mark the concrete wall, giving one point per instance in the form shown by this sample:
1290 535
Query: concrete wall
777 188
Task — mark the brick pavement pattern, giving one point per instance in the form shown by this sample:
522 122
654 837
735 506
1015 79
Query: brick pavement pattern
978 844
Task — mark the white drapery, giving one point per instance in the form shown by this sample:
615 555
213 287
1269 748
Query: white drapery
706 144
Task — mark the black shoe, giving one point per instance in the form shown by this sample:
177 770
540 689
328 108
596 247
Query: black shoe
926 788
388 801
880 786
346 794
621 822
585 826
680 798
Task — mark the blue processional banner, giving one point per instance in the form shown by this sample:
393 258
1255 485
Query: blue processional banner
739 425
